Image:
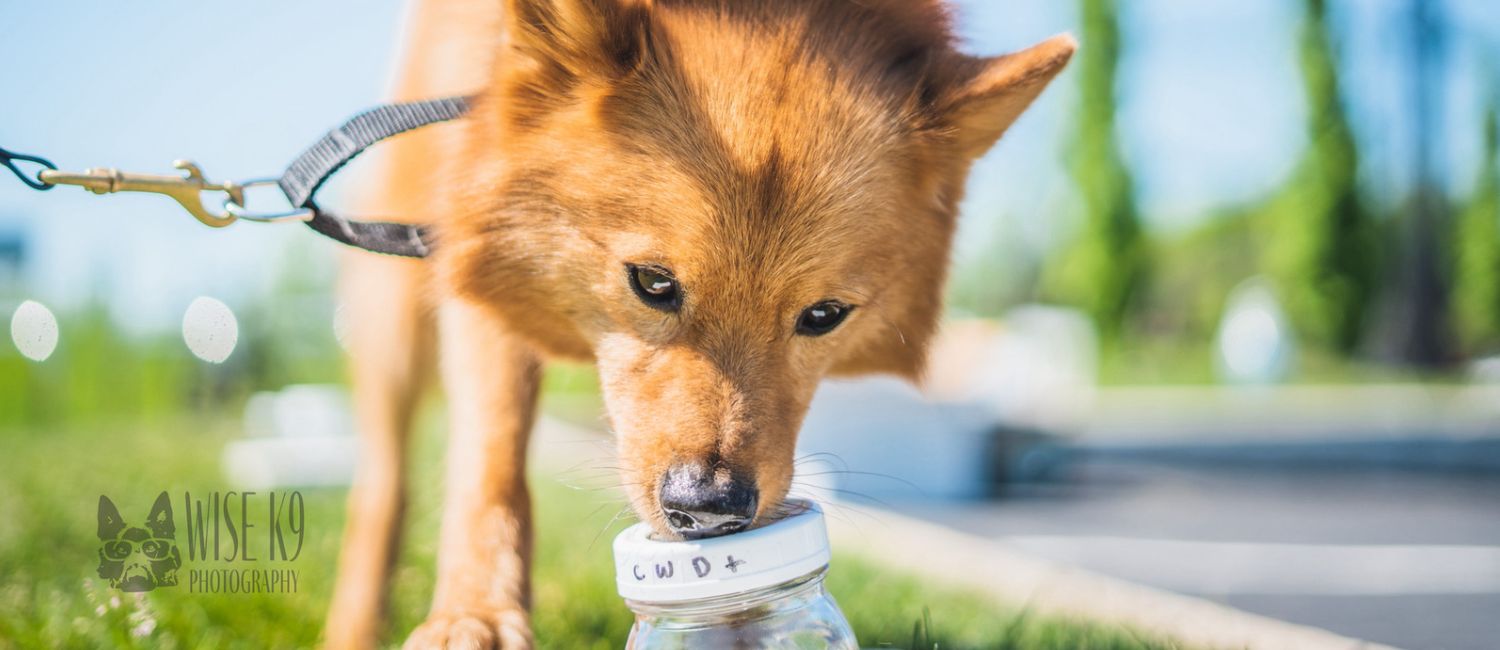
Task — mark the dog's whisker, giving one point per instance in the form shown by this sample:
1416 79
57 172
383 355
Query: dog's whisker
846 492
595 511
608 485
590 473
585 484
892 324
815 456
622 511
827 511
591 440
842 511
897 479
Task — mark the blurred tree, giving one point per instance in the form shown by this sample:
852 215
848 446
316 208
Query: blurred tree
1476 248
1322 251
1193 272
1423 330
1104 267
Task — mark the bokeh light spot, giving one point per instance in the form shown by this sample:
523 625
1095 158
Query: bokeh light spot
210 329
1255 343
33 328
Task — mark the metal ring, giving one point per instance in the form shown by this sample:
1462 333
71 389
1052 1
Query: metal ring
243 212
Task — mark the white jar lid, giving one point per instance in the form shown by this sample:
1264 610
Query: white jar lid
653 571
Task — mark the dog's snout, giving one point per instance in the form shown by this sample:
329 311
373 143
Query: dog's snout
700 501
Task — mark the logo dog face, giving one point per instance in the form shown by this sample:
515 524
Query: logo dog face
136 558
720 203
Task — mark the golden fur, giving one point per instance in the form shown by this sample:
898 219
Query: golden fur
771 153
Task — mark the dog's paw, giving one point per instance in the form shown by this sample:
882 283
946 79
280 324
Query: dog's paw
507 629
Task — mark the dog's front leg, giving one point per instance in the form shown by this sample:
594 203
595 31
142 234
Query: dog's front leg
484 556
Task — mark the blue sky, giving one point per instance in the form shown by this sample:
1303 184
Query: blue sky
1210 115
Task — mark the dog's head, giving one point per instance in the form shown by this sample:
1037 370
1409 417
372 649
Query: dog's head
133 558
722 202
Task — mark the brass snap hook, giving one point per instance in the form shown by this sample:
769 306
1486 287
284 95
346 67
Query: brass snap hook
186 190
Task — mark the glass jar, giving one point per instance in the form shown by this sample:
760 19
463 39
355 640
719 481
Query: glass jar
762 588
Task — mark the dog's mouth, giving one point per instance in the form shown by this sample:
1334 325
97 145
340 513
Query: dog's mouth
703 525
686 526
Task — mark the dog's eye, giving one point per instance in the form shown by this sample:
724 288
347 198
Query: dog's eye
822 318
655 286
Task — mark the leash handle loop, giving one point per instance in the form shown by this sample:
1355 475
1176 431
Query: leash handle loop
307 173
8 159
331 152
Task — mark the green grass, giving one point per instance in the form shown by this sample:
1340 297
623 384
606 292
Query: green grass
50 597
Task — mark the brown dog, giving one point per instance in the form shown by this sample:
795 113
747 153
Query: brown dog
718 202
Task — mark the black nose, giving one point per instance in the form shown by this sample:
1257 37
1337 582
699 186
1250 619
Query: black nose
700 501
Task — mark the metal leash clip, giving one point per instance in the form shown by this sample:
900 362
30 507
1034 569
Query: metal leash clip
239 210
186 190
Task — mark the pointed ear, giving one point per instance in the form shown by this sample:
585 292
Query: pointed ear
993 92
159 522
580 37
110 522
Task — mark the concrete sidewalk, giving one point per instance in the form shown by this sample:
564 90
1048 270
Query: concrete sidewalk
1013 578
1406 558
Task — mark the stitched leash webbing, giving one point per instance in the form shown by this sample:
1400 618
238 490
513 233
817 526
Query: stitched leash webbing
307 173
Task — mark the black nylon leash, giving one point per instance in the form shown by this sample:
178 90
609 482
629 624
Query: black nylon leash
321 161
299 183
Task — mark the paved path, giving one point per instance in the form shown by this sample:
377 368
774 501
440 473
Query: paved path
1411 559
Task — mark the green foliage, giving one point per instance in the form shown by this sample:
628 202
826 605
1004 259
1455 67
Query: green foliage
98 373
49 598
1476 250
1322 255
1193 273
1105 266
288 337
